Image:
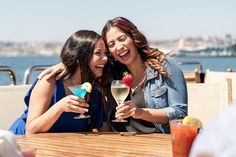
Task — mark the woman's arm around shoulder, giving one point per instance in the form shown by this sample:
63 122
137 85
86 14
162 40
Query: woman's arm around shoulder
58 71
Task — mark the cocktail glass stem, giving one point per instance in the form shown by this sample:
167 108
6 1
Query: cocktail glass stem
80 92
119 120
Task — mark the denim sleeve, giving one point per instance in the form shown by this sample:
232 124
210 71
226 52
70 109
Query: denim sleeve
177 92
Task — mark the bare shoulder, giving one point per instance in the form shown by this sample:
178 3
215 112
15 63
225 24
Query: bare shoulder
44 84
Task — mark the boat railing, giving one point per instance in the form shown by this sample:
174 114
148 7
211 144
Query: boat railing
32 69
198 65
10 72
195 75
231 70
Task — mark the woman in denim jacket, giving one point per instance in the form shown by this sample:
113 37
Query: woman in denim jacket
158 91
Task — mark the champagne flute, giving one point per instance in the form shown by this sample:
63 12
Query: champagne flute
80 91
119 91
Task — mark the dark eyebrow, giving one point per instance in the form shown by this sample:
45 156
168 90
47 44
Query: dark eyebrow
98 49
123 36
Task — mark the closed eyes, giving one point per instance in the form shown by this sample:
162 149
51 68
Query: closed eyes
122 38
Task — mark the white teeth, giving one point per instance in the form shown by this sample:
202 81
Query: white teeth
100 66
123 54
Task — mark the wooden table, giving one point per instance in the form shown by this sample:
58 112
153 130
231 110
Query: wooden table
98 144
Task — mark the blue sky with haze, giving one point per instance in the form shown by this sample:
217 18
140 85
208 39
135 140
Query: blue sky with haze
56 20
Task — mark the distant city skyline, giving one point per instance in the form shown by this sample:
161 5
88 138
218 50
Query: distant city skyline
56 20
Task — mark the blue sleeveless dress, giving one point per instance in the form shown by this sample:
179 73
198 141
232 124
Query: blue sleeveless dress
66 122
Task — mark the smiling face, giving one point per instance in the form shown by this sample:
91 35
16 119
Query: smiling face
99 58
121 46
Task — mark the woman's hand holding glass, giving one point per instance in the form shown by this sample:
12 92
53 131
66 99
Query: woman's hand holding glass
72 103
128 109
119 92
82 91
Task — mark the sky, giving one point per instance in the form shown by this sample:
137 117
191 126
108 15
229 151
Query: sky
56 20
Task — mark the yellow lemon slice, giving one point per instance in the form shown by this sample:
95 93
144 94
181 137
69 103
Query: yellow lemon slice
192 121
87 86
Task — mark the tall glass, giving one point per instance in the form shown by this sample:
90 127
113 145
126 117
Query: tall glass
119 91
182 136
80 91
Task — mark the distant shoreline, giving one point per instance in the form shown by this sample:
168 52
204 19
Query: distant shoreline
234 56
175 56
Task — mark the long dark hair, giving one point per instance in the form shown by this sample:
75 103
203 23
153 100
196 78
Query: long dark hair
78 51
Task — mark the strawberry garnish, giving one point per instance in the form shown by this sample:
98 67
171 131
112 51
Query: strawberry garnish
127 79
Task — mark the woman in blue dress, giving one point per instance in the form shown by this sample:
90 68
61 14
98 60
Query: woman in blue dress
51 107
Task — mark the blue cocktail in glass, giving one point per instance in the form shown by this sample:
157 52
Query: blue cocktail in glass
80 91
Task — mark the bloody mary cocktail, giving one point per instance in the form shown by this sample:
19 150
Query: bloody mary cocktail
182 136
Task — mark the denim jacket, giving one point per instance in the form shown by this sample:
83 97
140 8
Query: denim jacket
168 94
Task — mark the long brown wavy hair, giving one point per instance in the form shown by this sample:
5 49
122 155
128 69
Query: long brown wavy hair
151 56
114 69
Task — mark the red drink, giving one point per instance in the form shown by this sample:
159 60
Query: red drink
28 154
28 151
182 138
